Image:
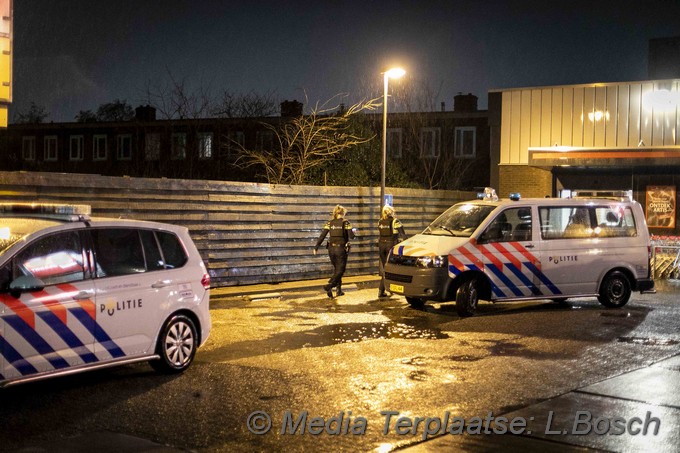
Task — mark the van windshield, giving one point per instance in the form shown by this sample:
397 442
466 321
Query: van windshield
460 220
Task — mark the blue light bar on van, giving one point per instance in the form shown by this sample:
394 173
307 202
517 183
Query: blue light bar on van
64 211
515 196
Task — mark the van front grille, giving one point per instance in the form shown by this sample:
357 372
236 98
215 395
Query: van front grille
398 277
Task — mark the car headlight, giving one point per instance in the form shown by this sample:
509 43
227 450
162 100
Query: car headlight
432 261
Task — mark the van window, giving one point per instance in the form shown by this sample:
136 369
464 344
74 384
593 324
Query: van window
615 221
57 258
513 224
565 222
585 222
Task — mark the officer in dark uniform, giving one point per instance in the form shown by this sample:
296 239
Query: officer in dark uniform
391 232
339 232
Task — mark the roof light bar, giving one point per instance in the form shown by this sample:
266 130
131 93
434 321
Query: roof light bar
46 209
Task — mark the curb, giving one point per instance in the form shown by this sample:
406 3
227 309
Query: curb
270 290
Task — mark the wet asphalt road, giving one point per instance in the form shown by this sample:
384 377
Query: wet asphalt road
344 361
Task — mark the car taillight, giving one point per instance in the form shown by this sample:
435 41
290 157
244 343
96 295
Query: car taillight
205 281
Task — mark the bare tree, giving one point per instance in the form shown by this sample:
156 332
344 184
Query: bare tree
176 99
305 142
116 110
250 105
35 114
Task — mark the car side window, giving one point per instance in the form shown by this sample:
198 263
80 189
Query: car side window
154 259
118 251
56 258
174 253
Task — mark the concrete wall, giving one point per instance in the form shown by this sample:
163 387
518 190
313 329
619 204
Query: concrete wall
247 233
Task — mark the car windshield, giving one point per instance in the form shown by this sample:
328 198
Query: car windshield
13 230
460 220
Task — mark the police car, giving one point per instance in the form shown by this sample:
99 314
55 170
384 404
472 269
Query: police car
514 249
80 293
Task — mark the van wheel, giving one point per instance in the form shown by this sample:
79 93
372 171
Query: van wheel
467 298
614 290
177 344
415 302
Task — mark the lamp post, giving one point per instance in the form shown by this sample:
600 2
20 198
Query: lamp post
393 73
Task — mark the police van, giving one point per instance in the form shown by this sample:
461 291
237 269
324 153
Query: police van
525 249
80 293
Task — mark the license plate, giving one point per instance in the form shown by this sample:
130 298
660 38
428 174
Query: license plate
396 288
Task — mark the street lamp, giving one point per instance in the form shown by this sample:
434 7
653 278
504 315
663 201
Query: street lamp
393 73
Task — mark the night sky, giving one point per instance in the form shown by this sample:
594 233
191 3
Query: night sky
72 55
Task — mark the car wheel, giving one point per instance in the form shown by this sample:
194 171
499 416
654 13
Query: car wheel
177 344
415 302
467 298
614 290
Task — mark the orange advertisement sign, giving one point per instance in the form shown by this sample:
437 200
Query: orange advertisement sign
660 206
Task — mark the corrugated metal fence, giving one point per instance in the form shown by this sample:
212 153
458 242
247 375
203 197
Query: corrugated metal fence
247 233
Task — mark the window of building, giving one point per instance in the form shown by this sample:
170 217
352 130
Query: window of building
205 145
100 151
152 147
28 148
236 140
178 146
264 140
124 147
430 142
51 151
394 142
76 147
466 141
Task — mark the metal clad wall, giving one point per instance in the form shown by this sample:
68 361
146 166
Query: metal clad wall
556 119
567 116
247 233
599 115
600 108
541 111
577 136
611 93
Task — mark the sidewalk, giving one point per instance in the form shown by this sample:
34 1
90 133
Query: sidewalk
276 289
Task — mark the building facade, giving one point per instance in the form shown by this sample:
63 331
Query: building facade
441 150
552 141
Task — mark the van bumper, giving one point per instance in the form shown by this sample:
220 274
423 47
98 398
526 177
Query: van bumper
645 285
428 283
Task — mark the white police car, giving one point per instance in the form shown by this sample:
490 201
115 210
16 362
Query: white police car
80 293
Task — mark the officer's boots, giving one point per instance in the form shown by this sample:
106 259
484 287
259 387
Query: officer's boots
340 292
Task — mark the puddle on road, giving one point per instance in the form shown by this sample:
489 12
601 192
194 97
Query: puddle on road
649 341
350 333
319 337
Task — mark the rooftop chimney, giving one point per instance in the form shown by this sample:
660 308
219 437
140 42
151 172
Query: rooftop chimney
465 102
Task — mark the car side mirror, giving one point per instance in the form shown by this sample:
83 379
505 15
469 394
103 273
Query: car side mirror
26 283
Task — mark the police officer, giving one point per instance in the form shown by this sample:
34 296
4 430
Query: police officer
340 232
391 232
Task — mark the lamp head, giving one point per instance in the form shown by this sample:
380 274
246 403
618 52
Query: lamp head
395 73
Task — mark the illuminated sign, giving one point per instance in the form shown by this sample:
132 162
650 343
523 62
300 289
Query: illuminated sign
660 206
